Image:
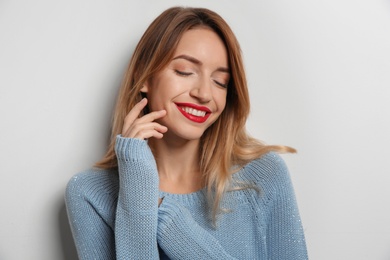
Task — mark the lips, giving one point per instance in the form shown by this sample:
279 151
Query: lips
193 112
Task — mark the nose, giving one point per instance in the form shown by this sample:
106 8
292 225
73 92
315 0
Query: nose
202 91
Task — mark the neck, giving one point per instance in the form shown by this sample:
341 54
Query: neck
177 165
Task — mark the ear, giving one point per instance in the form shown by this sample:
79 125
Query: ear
145 87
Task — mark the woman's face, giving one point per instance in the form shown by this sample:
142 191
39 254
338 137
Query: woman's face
193 86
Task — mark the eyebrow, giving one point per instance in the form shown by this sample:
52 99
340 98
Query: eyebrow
198 62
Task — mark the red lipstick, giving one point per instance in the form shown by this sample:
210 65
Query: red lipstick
194 118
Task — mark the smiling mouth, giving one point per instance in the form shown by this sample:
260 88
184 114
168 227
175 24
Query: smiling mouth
193 111
198 114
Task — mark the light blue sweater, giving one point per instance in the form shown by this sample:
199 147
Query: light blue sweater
115 214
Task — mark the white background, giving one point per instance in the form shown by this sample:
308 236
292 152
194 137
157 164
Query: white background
319 76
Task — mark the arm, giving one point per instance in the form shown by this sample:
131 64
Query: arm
136 214
107 224
90 202
94 204
181 237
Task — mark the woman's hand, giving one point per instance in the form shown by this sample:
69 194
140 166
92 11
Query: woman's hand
143 127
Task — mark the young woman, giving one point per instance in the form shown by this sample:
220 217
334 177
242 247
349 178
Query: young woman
181 178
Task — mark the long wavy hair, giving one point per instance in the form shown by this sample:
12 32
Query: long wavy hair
225 143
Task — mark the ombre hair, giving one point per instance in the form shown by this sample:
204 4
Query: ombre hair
225 145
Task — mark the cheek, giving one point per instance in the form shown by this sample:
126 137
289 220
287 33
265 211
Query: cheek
220 100
154 101
157 96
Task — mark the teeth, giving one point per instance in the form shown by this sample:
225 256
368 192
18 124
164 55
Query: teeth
194 111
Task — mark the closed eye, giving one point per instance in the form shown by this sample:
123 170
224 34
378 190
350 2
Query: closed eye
183 73
221 84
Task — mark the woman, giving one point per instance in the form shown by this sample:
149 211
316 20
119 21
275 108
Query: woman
181 178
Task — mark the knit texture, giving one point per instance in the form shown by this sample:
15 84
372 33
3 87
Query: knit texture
115 214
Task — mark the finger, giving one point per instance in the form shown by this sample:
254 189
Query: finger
134 113
149 134
152 116
143 123
137 129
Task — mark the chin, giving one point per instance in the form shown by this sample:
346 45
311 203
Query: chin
186 134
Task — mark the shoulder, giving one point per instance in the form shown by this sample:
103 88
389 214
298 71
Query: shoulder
92 181
269 172
267 166
91 192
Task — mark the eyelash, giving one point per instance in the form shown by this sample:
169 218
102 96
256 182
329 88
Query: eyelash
220 84
182 73
185 74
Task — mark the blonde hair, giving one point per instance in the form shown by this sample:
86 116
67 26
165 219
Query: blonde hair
225 143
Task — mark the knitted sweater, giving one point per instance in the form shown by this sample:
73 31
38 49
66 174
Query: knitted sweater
114 214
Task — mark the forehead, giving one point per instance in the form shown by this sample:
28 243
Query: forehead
203 44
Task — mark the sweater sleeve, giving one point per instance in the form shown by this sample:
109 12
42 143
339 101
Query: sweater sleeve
181 237
285 236
90 202
137 208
